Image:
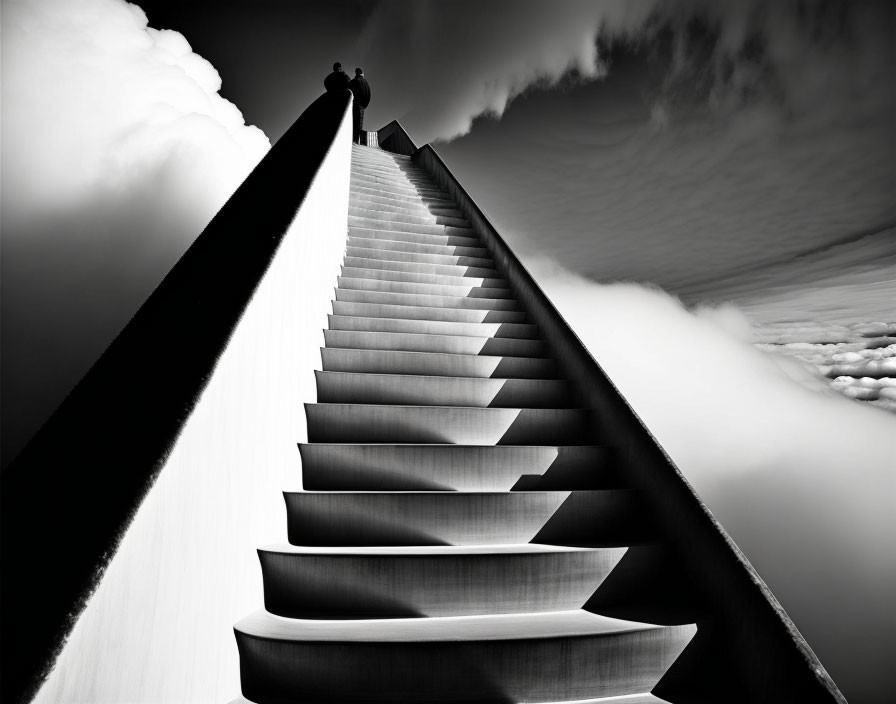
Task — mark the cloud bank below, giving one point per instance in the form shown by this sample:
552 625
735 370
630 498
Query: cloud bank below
800 477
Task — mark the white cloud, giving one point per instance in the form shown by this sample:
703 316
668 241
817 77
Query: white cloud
117 151
93 97
802 481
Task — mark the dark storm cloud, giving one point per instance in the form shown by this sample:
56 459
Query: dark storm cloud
442 64
726 137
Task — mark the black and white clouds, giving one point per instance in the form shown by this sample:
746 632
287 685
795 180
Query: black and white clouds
735 150
117 150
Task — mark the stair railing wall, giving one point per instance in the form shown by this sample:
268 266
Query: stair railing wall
199 399
765 646
394 138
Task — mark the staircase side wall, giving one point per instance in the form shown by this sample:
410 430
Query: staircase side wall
767 653
203 390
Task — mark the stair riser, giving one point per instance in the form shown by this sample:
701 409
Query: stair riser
518 670
410 258
450 315
393 189
387 225
357 586
375 214
601 518
441 391
417 237
447 344
360 194
390 362
452 426
412 209
427 301
395 173
434 279
336 467
359 239
510 331
394 169
401 179
424 289
364 262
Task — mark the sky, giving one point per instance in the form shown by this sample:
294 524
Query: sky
687 179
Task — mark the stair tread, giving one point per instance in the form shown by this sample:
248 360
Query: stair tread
526 626
383 324
450 355
410 550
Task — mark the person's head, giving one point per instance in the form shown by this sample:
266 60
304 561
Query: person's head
337 66
359 71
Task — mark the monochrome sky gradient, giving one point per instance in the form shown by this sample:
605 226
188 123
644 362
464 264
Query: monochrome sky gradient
739 151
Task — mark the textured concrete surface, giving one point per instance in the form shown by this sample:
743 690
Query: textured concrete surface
399 582
608 517
434 342
417 390
520 657
437 364
457 518
409 467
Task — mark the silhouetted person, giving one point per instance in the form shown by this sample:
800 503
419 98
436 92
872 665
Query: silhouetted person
361 90
336 81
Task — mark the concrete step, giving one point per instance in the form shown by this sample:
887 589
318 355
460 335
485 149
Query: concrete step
357 239
364 262
426 289
436 364
360 467
401 179
411 277
415 237
380 205
411 173
383 225
429 342
379 214
452 315
595 518
572 655
404 582
417 390
407 196
395 188
362 153
426 300
362 195
455 425
515 331
412 258
393 169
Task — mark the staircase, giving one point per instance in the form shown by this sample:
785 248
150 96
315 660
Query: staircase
457 518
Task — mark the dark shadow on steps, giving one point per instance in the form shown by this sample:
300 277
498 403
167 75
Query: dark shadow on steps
311 524
273 674
598 473
603 518
648 585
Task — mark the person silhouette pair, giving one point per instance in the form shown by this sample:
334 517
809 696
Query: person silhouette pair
338 80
